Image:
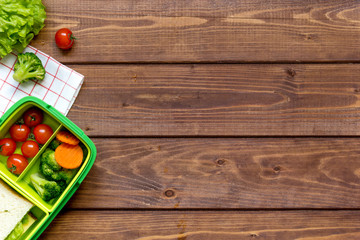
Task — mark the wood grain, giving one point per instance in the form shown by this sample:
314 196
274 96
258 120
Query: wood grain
205 225
204 31
222 174
203 181
219 100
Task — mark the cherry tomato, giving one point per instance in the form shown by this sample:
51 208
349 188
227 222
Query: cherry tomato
29 149
33 117
19 132
42 133
64 38
16 163
7 146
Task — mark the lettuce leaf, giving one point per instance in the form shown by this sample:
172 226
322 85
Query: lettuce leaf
20 21
16 232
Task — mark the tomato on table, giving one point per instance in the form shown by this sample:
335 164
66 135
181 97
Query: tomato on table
19 132
17 163
64 38
33 117
7 146
42 133
29 149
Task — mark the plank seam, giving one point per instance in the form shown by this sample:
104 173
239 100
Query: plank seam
227 137
214 62
214 209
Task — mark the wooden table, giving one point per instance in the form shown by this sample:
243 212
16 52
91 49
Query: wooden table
214 119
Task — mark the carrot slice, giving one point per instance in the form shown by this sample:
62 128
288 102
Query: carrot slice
69 156
66 137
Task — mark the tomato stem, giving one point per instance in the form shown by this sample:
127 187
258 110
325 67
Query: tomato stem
31 136
20 122
71 36
13 168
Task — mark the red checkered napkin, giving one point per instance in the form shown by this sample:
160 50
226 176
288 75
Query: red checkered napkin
59 88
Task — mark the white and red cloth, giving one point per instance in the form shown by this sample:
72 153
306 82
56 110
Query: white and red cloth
59 88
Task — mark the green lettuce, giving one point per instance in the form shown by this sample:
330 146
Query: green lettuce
16 232
20 21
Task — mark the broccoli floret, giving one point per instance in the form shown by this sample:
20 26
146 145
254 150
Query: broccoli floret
45 188
28 67
62 184
67 174
48 158
54 144
52 179
49 167
49 173
52 170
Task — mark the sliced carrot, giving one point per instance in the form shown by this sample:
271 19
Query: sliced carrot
69 156
66 137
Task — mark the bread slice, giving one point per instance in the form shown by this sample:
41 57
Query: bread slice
13 208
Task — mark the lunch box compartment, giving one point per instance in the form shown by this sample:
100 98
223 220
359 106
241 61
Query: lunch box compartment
44 211
25 182
40 219
4 133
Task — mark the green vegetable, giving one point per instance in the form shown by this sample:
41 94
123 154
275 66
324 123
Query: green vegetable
16 232
45 188
27 67
52 179
48 158
49 173
53 171
20 21
67 174
25 220
54 144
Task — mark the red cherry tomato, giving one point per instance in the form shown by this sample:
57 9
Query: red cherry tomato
42 133
16 163
19 132
29 149
7 146
33 117
64 38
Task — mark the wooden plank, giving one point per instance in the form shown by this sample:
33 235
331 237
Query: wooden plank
222 173
219 100
187 225
210 31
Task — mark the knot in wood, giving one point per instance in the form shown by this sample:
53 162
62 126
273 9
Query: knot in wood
220 161
169 193
277 169
291 72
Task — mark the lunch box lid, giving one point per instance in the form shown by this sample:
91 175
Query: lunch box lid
79 177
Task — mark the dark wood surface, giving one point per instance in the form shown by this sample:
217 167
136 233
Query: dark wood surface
219 100
198 225
205 30
215 119
222 173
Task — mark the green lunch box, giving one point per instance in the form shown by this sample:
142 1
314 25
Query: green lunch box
44 211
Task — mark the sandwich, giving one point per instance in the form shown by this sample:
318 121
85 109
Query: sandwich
15 216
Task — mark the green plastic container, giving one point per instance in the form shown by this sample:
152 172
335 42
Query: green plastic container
45 212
